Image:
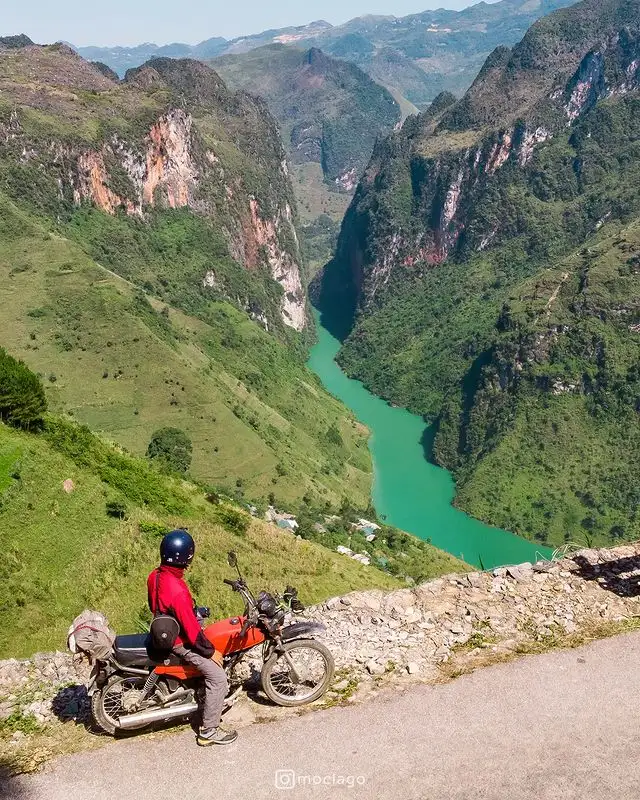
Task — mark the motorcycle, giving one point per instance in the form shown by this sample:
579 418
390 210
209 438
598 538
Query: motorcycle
135 687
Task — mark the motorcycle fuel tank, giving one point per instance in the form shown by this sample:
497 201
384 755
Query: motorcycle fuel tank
225 635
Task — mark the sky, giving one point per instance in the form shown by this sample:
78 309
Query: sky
128 22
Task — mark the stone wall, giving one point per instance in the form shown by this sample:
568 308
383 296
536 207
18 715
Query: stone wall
410 632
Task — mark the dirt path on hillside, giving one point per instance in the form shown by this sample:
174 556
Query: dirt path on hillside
564 725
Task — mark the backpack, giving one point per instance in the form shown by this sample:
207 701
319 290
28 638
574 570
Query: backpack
90 634
164 629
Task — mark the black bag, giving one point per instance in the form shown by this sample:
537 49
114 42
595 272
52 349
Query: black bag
164 628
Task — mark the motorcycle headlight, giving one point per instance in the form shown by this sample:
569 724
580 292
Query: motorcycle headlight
267 605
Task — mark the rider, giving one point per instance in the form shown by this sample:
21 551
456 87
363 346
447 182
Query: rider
173 597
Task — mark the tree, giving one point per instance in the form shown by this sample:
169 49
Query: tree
171 449
22 399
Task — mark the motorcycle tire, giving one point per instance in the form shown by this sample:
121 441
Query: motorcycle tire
271 678
104 718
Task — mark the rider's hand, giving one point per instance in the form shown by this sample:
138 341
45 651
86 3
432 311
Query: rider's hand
218 658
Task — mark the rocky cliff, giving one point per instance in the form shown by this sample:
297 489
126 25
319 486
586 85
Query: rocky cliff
468 217
424 194
170 136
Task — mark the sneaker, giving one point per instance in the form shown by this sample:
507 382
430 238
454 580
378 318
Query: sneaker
216 736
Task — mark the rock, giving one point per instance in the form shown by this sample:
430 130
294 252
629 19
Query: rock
68 486
475 580
332 602
412 668
520 573
499 572
375 668
341 685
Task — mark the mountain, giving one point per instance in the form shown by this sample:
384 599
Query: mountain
415 57
490 257
330 114
121 59
329 111
151 271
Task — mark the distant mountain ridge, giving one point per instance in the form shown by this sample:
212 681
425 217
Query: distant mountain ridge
330 112
416 56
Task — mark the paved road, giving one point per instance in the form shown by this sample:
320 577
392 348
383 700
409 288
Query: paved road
561 726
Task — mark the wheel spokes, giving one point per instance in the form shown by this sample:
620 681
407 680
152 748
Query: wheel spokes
298 673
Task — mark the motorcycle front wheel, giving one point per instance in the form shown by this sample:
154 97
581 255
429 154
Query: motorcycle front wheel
117 698
298 674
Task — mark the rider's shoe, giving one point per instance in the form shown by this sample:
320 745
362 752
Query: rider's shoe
216 736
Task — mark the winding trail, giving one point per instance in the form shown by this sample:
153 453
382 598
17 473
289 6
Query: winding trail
561 726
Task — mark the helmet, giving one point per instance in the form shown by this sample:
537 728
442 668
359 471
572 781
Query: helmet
177 549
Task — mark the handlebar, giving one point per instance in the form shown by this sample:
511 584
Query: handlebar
229 583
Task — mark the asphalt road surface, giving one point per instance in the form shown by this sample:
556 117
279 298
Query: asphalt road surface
560 726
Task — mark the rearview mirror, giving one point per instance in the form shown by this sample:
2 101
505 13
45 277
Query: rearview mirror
232 559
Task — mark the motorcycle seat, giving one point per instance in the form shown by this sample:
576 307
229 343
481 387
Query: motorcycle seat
134 650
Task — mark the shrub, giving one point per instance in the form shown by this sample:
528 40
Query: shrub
132 478
171 448
153 529
22 398
234 521
116 509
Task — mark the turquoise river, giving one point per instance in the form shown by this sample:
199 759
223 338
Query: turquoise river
409 492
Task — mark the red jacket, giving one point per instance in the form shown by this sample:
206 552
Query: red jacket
173 597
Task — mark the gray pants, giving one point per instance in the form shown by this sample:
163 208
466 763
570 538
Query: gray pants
216 685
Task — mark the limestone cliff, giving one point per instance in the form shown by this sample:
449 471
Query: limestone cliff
171 136
421 198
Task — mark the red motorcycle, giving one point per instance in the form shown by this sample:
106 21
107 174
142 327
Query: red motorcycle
133 689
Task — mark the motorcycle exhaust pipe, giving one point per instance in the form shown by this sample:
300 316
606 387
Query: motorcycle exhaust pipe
141 718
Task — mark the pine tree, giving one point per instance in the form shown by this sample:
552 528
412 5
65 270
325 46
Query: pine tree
22 398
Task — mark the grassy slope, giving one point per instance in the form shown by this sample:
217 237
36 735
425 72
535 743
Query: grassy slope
247 403
63 553
566 469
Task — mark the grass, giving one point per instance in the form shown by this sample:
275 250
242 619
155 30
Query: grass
110 357
64 553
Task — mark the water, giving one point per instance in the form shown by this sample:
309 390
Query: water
409 492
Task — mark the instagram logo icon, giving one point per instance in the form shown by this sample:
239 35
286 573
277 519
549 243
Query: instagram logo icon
285 779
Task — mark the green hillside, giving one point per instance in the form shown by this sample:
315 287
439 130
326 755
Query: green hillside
490 260
126 364
329 111
63 552
152 274
330 114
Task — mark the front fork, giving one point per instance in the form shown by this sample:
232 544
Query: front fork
278 647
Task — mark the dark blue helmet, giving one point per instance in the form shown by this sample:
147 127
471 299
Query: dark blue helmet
177 549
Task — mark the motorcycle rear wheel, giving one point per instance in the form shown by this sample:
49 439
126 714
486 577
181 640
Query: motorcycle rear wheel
109 704
314 664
